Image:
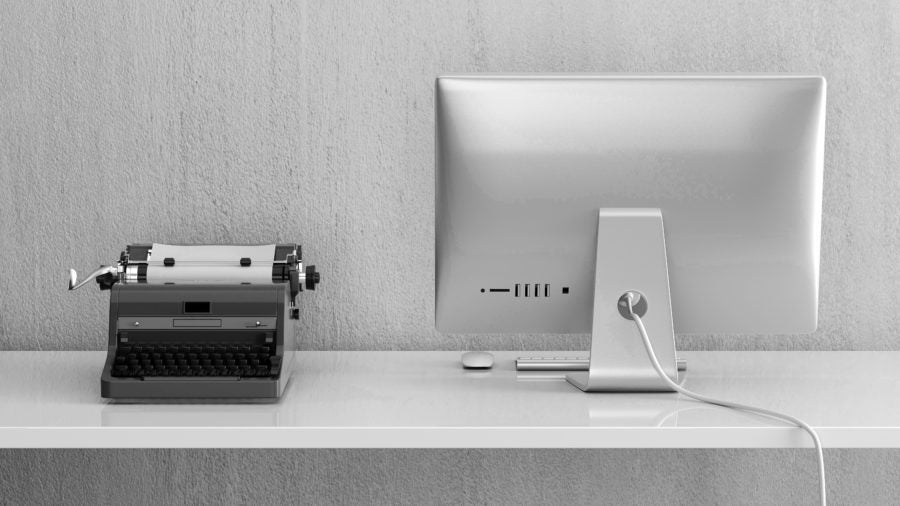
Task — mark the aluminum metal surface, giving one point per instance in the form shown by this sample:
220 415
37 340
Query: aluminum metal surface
567 363
524 162
631 256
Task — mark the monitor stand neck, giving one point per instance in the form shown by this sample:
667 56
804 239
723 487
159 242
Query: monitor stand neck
631 256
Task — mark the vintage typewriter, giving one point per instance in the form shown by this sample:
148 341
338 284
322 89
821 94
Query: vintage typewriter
204 323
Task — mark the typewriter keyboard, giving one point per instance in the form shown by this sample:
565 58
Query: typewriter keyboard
206 359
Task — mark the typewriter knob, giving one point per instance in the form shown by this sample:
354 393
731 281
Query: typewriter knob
312 277
106 280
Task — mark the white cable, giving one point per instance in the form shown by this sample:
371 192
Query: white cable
630 297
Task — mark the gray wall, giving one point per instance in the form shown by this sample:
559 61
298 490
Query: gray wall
312 122
452 477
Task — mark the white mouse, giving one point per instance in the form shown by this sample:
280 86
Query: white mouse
477 360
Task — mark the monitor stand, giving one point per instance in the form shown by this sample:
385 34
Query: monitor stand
631 256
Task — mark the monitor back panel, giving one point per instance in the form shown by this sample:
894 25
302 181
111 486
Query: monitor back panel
524 162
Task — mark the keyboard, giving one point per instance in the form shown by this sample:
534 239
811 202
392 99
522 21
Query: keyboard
558 363
571 363
214 360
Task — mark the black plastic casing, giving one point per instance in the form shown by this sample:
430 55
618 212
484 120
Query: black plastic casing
134 302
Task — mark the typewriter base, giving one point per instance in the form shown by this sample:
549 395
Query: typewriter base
220 391
157 326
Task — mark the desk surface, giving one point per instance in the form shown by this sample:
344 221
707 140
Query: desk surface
426 400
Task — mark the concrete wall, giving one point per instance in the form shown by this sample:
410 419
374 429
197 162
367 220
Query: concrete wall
451 477
313 122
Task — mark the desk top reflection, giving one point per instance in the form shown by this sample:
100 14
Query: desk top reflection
426 400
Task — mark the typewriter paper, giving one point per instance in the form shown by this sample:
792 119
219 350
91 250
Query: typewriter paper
210 264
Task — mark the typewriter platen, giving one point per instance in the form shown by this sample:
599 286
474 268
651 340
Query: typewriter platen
205 323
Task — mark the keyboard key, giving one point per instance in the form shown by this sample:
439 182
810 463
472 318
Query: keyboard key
195 359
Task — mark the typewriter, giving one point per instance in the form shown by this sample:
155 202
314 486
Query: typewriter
204 323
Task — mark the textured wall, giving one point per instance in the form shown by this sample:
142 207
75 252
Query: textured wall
452 477
312 122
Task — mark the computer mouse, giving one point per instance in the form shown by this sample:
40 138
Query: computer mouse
477 360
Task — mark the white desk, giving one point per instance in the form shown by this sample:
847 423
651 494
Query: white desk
425 400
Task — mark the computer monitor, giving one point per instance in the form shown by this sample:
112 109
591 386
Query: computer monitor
557 193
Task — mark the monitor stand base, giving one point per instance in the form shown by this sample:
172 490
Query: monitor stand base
631 256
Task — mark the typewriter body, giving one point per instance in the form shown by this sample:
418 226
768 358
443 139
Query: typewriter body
201 323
